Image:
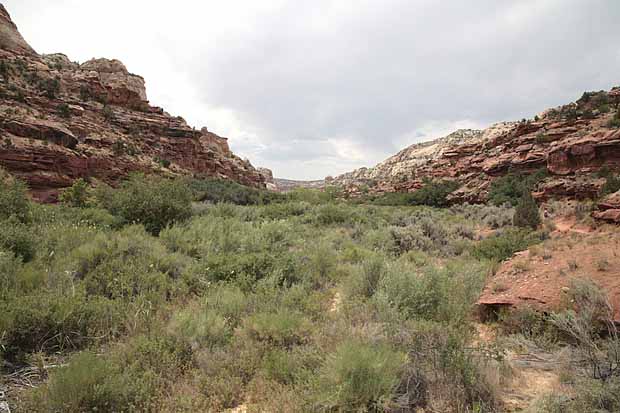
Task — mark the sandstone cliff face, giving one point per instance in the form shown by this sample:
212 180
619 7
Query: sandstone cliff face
60 121
10 39
572 142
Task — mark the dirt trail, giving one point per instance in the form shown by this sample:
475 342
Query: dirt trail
535 375
534 372
569 225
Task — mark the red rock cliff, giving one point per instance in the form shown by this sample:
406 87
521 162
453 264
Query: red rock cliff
572 142
60 121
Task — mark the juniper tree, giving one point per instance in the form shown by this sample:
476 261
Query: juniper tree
526 213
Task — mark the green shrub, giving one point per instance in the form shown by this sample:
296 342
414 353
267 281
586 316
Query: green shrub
331 213
313 196
52 322
151 201
17 238
64 111
128 379
444 295
394 199
282 328
285 210
77 195
322 262
281 365
228 301
530 323
365 280
200 327
412 294
241 267
433 193
590 316
360 377
45 216
526 213
91 383
108 113
505 243
510 188
13 198
612 184
155 357
219 190
614 123
50 86
127 264
10 265
164 163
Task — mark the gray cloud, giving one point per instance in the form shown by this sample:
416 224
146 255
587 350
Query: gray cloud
317 88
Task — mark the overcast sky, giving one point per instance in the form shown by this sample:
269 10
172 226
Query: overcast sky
316 88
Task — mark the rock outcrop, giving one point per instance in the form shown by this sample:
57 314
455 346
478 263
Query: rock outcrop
609 208
10 38
572 142
286 185
542 281
60 121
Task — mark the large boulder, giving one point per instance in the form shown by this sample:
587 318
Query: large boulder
121 87
609 208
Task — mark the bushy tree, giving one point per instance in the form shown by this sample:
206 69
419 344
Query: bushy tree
77 195
152 201
13 198
220 190
510 187
433 193
526 213
615 121
612 184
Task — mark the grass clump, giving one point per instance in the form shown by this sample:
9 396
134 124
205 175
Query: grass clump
281 329
360 377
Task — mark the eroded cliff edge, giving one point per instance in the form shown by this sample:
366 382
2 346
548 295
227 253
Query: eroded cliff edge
61 120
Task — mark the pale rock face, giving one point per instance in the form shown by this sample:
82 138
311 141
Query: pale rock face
404 164
59 61
267 173
123 86
10 39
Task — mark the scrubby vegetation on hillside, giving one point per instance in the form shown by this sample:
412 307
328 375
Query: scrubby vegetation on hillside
432 193
140 299
511 187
